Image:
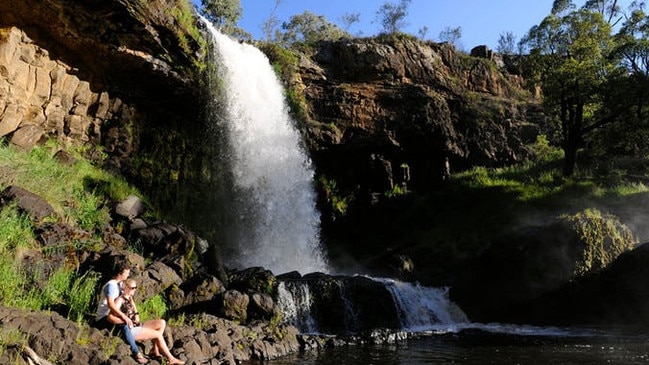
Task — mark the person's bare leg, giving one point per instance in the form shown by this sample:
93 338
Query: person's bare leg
162 345
148 333
157 325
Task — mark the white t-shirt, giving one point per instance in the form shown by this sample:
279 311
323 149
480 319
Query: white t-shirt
112 289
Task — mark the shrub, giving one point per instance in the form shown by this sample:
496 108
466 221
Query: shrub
604 238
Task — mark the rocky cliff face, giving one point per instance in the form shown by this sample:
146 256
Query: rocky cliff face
122 76
118 77
397 111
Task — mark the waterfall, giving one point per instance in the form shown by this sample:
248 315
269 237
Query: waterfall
422 307
273 221
353 304
295 301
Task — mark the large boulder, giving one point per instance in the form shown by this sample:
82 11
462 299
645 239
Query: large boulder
524 266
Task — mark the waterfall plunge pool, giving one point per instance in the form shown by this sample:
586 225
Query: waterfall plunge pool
488 344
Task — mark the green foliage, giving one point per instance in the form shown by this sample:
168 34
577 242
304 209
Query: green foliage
392 16
348 19
16 230
152 308
284 60
397 190
506 43
451 35
11 337
603 236
337 203
13 289
310 28
572 58
82 201
82 292
543 152
56 288
223 13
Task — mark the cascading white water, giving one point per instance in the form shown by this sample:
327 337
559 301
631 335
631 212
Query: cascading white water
276 222
295 301
421 307
418 308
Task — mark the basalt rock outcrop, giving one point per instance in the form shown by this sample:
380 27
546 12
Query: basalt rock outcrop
118 78
395 111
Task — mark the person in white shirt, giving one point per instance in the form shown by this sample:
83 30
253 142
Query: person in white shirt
108 313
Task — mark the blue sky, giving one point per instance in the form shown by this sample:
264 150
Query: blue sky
481 21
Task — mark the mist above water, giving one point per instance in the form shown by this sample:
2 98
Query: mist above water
273 219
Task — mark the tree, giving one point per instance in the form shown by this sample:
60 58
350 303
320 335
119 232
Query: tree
608 8
423 31
451 35
348 19
269 27
506 43
224 14
310 28
392 16
570 50
627 94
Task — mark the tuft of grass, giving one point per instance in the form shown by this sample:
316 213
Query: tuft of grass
11 337
81 294
154 307
16 230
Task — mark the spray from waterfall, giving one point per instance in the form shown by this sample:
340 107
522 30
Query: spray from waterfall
273 221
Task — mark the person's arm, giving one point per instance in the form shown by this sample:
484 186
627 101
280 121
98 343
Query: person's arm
136 314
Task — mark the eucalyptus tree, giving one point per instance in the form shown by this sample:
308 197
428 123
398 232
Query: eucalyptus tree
451 35
348 19
506 43
570 51
224 14
392 16
309 28
269 27
627 96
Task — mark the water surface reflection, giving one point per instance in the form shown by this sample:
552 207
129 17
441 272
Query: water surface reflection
491 345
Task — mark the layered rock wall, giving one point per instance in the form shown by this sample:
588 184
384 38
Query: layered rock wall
41 97
397 112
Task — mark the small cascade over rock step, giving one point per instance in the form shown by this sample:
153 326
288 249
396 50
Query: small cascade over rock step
332 304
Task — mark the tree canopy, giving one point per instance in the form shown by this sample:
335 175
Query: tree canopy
392 16
579 63
308 27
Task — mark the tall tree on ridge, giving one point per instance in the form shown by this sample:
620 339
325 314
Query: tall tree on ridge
224 14
570 49
392 16
309 28
270 25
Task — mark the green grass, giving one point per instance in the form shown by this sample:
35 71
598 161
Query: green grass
80 195
152 308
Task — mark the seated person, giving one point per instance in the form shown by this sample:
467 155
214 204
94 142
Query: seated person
149 330
108 313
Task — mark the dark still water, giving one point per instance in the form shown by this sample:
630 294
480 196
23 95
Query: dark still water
508 345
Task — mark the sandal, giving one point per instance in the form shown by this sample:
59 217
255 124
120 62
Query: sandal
141 359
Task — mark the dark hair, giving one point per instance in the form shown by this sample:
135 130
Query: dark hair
120 266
